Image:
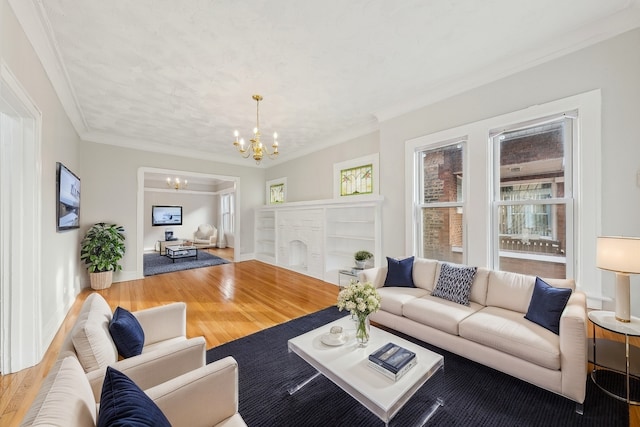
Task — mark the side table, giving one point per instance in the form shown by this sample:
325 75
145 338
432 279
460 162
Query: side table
616 369
349 274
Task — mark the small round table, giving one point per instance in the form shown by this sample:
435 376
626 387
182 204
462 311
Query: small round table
615 371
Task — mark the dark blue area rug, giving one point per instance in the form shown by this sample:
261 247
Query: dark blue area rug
154 263
474 394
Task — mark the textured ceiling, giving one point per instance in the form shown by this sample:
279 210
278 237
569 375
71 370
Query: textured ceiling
177 76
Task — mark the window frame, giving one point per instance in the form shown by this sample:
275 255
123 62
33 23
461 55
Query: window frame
418 196
587 182
570 123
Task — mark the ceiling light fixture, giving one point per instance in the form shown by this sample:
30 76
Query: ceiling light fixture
176 184
256 148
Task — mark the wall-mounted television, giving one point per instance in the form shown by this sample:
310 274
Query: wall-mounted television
67 198
166 215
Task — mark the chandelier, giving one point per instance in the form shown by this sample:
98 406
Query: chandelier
176 184
256 149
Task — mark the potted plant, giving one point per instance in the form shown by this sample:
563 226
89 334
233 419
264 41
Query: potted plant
362 257
101 249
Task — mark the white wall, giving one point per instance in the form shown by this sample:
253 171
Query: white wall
110 192
197 208
612 66
311 177
60 252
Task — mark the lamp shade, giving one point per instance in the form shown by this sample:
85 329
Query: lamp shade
619 254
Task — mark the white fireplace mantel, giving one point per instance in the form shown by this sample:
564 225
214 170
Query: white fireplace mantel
318 237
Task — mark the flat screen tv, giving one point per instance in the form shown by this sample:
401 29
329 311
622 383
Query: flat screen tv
166 215
67 198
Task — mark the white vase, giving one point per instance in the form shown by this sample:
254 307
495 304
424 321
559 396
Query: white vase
361 264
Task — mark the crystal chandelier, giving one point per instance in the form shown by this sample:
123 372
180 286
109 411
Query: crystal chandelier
176 184
256 149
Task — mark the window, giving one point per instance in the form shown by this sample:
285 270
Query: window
227 203
440 202
532 205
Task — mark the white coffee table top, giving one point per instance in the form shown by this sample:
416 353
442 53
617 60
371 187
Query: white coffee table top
347 366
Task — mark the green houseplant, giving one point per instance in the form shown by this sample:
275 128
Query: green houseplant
362 257
101 250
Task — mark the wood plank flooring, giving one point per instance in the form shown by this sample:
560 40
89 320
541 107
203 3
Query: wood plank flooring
224 303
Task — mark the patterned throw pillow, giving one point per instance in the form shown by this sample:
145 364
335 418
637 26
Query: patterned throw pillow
454 283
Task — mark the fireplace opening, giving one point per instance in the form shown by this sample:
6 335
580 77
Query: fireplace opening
298 254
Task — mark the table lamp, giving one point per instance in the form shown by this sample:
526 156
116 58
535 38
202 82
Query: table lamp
622 256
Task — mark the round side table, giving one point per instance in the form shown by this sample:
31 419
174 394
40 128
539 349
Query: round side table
615 364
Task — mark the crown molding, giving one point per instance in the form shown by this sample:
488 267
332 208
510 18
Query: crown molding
616 24
34 22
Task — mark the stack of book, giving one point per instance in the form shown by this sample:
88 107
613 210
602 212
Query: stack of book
392 360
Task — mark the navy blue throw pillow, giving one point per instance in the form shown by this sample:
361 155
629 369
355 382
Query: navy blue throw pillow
123 403
400 272
547 304
126 332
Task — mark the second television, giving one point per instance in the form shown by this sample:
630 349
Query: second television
166 215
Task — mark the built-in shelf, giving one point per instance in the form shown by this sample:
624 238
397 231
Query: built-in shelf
326 233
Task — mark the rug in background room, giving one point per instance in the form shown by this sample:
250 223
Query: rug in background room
154 263
474 394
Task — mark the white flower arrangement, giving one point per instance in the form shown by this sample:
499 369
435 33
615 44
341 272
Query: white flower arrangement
361 299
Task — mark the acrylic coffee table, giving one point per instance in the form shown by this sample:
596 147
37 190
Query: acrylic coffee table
347 366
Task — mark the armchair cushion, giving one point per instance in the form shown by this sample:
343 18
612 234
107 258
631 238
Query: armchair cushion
127 333
123 403
90 335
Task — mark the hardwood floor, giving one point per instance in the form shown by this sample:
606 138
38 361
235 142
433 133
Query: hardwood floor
224 303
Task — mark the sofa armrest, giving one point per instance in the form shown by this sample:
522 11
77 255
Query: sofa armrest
573 347
157 366
376 276
163 322
204 397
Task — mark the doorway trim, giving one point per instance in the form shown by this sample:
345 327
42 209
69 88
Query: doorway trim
142 171
21 331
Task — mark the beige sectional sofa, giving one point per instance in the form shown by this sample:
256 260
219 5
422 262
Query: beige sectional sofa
492 330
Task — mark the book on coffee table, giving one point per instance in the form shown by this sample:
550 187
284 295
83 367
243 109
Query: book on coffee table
392 360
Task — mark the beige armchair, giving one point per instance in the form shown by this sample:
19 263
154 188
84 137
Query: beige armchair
207 396
206 235
166 354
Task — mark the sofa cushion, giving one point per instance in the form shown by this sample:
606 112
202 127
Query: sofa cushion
438 313
392 299
547 304
424 273
454 283
126 332
479 286
90 335
123 403
508 331
64 395
511 291
399 272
